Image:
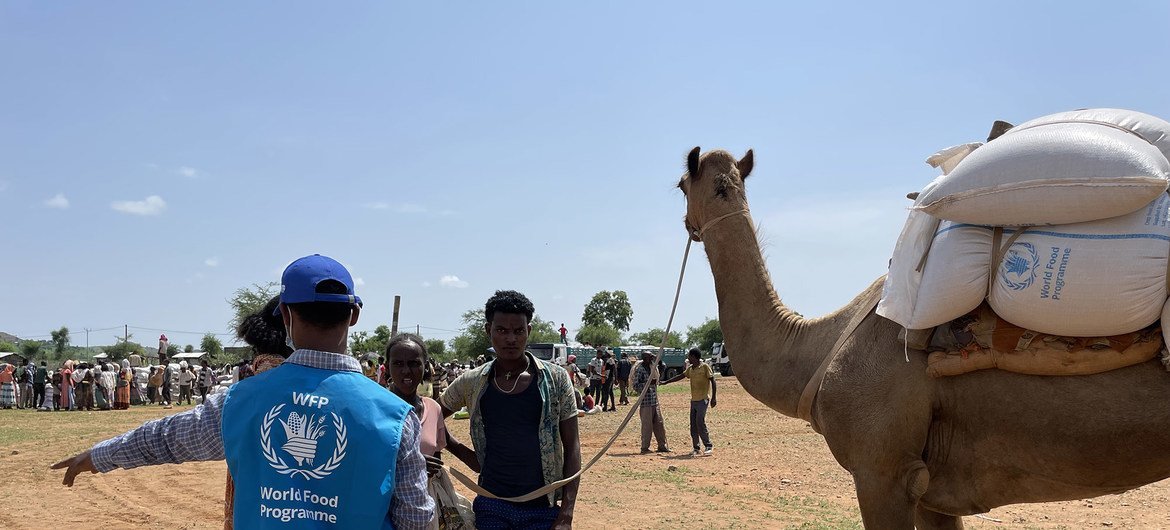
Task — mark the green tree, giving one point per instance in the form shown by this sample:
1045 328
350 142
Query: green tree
6 346
653 337
172 350
473 341
705 334
248 300
30 348
188 348
612 307
60 339
362 342
599 335
436 348
124 348
212 346
543 331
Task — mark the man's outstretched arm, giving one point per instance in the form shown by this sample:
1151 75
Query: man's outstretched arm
189 436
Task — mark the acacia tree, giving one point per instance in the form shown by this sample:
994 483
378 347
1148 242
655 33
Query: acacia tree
248 300
609 307
653 337
60 340
543 331
473 341
599 335
212 346
705 334
362 342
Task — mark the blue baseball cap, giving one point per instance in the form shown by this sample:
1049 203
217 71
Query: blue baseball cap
299 282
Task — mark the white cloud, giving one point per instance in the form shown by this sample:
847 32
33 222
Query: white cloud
452 281
410 208
58 201
358 281
211 262
152 205
377 205
188 172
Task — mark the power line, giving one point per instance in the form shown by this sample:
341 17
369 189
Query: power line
183 332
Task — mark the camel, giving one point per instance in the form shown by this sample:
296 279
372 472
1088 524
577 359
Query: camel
922 452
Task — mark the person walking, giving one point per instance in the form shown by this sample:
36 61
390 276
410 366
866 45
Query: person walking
153 382
122 390
164 389
595 368
7 387
83 381
40 381
68 398
309 443
101 396
702 379
646 382
623 378
207 379
523 418
27 399
185 380
607 382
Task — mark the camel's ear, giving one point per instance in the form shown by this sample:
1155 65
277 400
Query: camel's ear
693 162
745 165
998 128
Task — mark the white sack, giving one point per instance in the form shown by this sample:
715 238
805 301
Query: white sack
1056 173
1165 328
1089 279
1151 128
953 280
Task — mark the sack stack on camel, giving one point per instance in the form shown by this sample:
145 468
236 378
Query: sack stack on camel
922 451
1045 251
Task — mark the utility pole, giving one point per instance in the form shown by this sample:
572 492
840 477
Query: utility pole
418 329
394 323
86 338
126 333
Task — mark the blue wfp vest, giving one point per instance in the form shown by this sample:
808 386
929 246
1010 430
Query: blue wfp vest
309 447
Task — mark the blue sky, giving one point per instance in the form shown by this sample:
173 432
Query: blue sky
154 157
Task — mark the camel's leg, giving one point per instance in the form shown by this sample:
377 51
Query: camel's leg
885 504
927 520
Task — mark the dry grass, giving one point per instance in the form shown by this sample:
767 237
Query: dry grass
768 471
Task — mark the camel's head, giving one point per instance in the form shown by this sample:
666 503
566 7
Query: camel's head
713 185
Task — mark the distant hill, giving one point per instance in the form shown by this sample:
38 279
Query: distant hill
8 337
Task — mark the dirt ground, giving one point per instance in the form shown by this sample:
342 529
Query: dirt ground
768 471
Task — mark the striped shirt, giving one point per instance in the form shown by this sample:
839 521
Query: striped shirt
195 435
641 385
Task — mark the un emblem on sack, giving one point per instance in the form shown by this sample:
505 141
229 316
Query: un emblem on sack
302 433
1018 268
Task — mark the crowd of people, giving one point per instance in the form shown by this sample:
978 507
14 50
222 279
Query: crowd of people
74 385
368 439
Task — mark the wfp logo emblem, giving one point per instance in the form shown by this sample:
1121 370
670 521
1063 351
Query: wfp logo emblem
1018 268
304 436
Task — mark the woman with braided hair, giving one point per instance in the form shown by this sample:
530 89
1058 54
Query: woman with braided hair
264 332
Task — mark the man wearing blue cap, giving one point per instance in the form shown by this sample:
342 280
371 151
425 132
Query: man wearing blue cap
310 443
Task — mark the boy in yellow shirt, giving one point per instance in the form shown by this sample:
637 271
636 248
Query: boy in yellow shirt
701 378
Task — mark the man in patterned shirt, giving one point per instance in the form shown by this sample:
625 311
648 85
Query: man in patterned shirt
646 381
523 424
312 443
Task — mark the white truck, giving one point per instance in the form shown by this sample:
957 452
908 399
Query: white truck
719 360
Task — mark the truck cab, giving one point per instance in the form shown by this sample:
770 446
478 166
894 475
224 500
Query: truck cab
719 360
553 352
